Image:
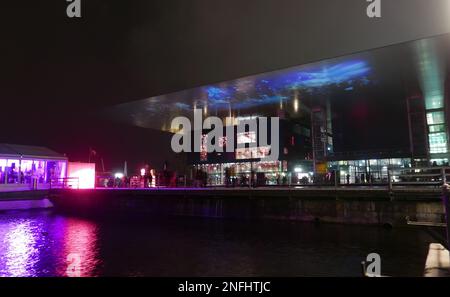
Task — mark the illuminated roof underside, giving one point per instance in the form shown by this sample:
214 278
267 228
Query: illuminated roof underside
247 95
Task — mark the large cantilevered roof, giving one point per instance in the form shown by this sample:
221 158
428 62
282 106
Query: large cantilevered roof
256 94
383 74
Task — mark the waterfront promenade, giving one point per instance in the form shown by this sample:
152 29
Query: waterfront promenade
334 205
348 205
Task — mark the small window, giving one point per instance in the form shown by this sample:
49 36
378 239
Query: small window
435 117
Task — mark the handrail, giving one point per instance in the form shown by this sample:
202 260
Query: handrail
65 182
425 168
421 175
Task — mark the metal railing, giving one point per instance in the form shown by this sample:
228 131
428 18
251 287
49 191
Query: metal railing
419 177
65 183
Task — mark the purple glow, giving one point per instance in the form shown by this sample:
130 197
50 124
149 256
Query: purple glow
19 249
38 245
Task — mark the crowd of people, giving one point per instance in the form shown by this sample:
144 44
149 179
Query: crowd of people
200 178
151 178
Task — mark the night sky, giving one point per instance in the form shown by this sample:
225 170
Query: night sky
58 73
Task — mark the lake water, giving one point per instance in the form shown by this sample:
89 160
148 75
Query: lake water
38 243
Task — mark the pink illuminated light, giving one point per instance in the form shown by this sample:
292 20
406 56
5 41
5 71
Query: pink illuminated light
81 175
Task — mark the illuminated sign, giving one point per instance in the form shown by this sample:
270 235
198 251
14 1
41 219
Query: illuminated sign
252 152
203 148
246 137
222 141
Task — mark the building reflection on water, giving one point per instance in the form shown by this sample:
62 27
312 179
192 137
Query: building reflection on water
37 243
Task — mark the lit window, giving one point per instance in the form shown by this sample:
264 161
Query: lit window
204 148
253 152
435 117
437 128
434 101
438 143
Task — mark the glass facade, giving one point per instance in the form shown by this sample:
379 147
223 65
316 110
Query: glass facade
252 152
367 171
438 142
437 134
435 117
24 171
437 128
239 172
431 77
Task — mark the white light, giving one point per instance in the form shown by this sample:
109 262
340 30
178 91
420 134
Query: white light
296 101
298 169
118 175
142 171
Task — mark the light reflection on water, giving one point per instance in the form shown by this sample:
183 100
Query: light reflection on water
20 251
80 238
37 243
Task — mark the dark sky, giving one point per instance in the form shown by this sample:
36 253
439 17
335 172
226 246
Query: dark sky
58 72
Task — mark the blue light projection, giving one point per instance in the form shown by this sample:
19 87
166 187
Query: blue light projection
218 94
343 72
249 94
271 87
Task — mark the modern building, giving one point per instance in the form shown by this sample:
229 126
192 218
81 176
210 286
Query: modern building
245 163
24 165
357 116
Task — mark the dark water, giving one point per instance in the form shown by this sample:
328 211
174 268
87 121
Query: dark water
37 243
